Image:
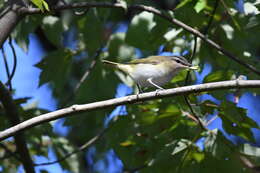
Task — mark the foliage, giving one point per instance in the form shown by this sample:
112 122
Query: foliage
155 136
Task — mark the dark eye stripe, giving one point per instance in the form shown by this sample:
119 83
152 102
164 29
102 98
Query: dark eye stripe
181 60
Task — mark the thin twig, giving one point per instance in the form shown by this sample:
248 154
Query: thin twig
87 72
81 148
229 13
211 120
84 76
203 127
15 61
6 68
205 32
193 116
191 58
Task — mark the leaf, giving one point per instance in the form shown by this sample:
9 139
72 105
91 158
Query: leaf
138 32
181 76
118 50
55 68
91 31
24 28
217 145
46 6
184 2
53 29
184 14
41 4
218 76
208 107
250 150
127 143
235 121
200 5
146 31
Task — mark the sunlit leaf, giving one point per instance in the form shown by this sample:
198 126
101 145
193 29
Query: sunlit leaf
41 4
200 5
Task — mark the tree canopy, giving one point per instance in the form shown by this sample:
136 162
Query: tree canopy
163 131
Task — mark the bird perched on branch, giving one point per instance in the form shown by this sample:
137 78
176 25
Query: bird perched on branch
153 71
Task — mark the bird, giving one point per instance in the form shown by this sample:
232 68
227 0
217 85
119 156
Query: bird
153 71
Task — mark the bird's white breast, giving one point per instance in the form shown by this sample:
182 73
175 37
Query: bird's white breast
157 73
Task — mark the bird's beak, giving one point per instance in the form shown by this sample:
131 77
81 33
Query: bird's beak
194 67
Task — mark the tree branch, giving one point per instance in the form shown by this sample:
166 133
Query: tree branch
9 17
155 11
72 110
12 115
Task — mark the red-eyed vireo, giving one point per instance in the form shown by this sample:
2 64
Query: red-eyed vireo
153 71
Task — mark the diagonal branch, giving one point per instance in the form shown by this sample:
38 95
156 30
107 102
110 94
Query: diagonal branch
73 110
28 11
13 117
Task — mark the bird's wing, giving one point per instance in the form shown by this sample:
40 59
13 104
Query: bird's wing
150 60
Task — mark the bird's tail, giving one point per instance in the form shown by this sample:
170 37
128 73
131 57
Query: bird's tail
123 67
110 63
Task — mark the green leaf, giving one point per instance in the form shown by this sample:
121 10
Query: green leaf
55 68
183 2
138 32
145 28
235 121
217 145
181 76
200 5
91 31
187 14
208 107
24 28
118 50
218 76
41 4
46 6
52 28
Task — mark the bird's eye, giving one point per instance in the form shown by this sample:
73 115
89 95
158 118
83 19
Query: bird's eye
178 61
